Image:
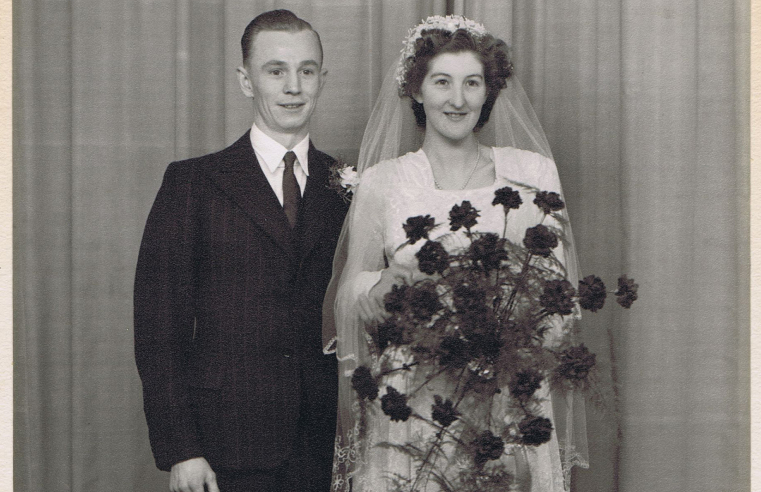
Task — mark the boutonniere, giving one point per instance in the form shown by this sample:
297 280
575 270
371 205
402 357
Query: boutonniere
343 179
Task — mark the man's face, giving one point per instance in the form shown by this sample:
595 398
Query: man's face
284 76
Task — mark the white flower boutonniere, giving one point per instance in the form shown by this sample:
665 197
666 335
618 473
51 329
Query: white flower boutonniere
343 179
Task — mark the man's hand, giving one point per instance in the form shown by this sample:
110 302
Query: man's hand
191 476
372 308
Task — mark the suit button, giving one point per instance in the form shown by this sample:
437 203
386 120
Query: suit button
287 355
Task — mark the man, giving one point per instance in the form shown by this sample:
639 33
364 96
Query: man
233 267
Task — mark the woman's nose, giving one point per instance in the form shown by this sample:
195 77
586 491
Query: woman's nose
457 97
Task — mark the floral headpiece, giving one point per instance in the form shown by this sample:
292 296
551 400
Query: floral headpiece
449 23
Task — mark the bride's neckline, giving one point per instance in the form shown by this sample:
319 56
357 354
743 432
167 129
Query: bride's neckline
432 179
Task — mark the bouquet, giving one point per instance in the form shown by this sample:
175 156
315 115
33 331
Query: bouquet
489 327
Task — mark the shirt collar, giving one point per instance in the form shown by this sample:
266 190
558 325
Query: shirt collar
271 152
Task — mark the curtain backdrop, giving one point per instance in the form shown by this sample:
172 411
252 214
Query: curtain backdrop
645 103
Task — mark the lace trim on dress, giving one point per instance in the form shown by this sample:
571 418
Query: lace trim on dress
571 458
330 347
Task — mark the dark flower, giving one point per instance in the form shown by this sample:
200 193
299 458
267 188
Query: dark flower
394 404
525 384
557 297
627 291
469 298
463 215
488 447
424 302
592 293
508 198
540 240
418 227
395 299
485 345
390 333
535 430
488 251
432 258
364 383
443 411
575 363
453 352
549 201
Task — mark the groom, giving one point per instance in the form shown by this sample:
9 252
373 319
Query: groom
233 267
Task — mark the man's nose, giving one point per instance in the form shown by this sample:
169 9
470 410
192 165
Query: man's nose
292 84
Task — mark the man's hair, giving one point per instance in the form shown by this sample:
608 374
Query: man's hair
274 20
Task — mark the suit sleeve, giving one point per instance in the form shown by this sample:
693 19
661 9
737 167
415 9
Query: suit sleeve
164 317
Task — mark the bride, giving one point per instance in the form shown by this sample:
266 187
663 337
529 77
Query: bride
451 79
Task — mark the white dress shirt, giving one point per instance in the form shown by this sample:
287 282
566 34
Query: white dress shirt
270 154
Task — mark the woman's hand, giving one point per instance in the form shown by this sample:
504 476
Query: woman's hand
372 308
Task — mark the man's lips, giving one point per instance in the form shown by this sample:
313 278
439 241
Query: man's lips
291 106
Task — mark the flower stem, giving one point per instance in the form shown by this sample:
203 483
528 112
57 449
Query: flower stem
405 367
518 284
427 380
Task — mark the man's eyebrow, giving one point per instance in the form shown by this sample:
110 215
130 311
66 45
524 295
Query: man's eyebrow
280 63
274 63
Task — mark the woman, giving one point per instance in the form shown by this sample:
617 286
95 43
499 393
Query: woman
456 78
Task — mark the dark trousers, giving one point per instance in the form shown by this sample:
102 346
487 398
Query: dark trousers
310 466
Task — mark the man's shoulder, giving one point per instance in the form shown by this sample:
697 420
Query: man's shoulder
320 157
211 160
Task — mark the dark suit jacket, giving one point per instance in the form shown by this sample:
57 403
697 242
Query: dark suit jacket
228 311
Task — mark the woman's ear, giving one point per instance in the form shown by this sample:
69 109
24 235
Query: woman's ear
418 98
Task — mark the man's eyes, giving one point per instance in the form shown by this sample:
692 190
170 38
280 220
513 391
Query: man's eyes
278 72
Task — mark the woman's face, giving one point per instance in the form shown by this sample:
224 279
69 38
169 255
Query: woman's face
452 94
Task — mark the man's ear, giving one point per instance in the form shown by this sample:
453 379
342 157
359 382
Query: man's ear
245 81
323 77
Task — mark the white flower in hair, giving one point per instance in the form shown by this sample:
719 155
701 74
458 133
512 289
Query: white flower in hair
449 23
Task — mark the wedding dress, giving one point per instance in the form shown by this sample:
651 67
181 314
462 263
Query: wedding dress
389 193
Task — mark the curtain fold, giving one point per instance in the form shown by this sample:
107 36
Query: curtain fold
106 95
645 104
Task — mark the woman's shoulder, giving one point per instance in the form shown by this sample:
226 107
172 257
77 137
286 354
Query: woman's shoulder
521 156
523 165
400 169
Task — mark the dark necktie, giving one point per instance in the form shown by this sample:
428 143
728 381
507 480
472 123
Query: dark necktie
291 190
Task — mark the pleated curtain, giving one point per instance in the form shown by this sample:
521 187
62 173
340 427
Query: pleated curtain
645 104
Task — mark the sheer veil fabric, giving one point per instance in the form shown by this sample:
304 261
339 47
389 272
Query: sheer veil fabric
391 132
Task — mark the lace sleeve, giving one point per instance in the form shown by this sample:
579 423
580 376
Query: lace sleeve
569 407
357 268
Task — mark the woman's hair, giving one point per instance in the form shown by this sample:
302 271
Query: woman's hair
492 52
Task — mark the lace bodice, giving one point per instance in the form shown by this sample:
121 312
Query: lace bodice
396 189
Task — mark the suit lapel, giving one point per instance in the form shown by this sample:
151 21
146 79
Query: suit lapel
312 221
238 175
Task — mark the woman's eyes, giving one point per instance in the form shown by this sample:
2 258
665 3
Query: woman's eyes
469 83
